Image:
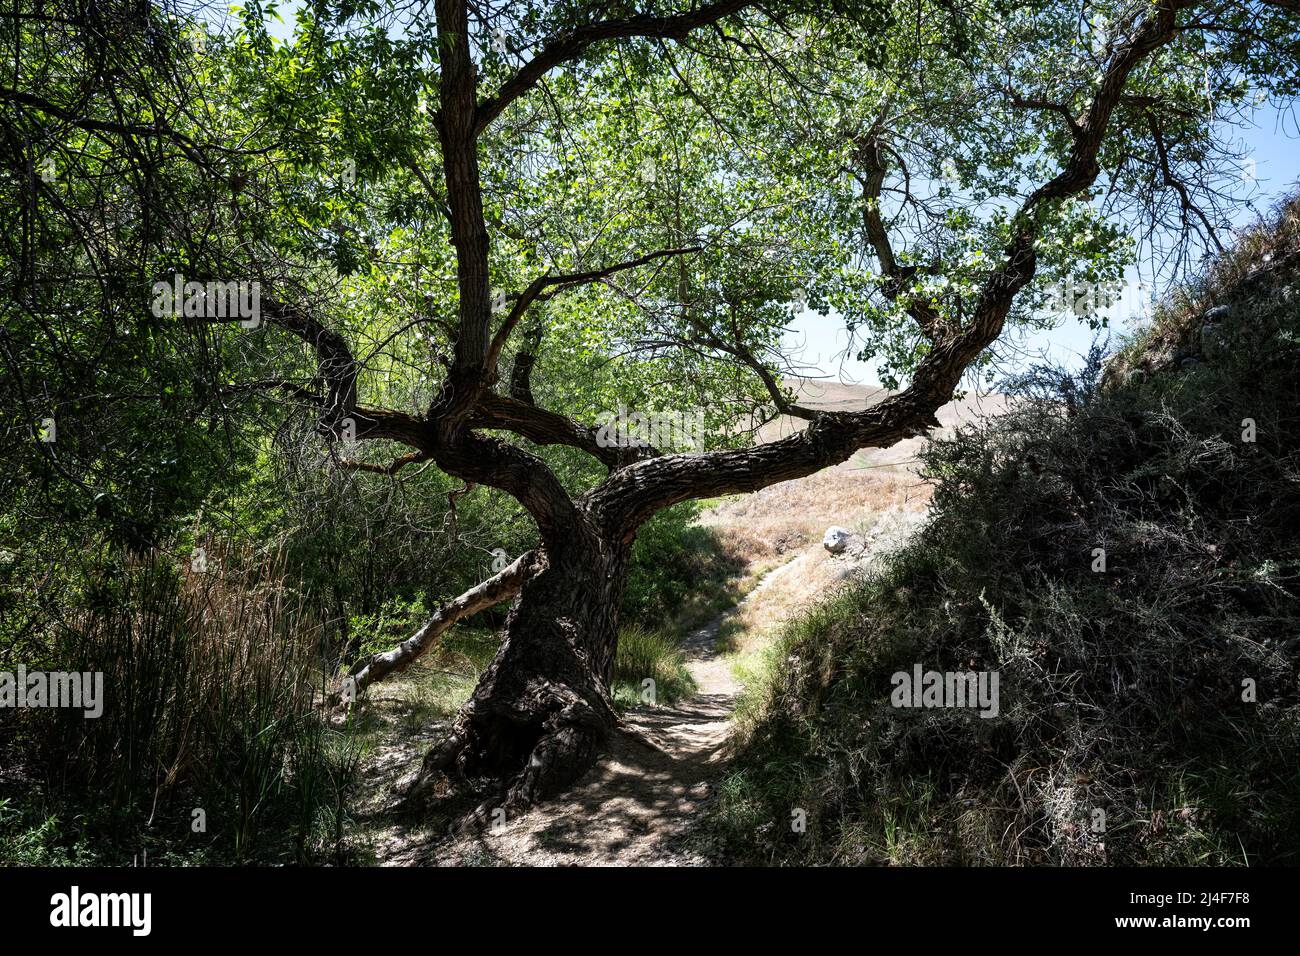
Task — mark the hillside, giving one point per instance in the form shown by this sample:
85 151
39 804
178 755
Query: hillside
1121 550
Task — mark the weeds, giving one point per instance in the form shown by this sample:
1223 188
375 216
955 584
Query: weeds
645 655
211 745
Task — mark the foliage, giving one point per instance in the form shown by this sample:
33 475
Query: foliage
680 574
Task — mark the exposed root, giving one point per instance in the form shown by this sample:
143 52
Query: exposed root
521 753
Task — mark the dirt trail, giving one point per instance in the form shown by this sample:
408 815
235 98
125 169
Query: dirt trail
637 804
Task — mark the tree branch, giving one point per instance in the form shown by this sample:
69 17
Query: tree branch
390 469
494 590
557 284
572 44
630 496
544 427
1184 198
897 278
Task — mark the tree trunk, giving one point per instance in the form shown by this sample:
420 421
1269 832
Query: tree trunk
542 709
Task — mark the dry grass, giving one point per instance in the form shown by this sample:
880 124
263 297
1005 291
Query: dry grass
1268 249
210 682
788 517
781 596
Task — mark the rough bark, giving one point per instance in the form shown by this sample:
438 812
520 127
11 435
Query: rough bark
542 709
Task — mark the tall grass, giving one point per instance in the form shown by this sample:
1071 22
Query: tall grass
682 574
646 655
210 745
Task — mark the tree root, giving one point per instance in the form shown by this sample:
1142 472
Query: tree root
515 756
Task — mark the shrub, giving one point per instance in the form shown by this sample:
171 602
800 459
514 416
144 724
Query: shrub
680 571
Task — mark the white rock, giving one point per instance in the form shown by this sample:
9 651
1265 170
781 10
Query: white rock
836 539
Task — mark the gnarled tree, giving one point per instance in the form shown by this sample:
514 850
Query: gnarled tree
663 179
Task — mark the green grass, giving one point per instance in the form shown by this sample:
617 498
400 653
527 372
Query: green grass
645 655
438 691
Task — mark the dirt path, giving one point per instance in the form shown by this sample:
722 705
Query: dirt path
636 806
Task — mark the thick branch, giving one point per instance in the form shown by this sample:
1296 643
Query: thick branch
469 236
340 413
570 45
494 590
897 278
334 358
521 373
543 427
630 496
499 464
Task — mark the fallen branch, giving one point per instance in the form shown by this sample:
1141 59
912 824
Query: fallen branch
494 590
